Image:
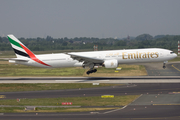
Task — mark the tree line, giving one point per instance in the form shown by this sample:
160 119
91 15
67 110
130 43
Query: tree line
85 43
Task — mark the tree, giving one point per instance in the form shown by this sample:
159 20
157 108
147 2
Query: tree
48 38
144 37
121 43
64 43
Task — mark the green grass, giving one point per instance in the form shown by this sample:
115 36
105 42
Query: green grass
76 101
8 70
47 86
175 59
10 109
22 109
7 54
127 70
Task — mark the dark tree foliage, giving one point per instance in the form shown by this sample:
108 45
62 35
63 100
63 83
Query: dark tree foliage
144 37
50 43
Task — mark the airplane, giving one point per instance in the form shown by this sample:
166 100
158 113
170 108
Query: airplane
92 59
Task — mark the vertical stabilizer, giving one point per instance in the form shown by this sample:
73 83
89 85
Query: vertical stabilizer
22 51
19 48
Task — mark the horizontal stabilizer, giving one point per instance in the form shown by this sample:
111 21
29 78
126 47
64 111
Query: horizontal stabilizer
18 60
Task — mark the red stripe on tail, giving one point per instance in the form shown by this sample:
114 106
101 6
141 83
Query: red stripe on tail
33 57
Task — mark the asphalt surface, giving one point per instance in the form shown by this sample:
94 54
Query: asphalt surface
131 112
165 106
157 101
123 80
155 69
131 89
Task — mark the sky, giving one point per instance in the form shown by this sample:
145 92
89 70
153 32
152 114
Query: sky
89 18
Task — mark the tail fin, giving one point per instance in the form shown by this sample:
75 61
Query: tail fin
19 48
22 51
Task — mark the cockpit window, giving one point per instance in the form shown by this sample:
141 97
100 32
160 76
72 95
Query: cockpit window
171 52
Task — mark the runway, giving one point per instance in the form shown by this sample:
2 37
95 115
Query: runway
166 106
155 69
160 98
156 74
130 89
157 101
130 112
136 79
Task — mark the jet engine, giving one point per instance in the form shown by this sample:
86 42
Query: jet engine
110 63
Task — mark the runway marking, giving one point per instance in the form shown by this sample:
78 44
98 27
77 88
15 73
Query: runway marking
122 107
174 92
165 104
136 99
2 96
79 80
175 68
115 110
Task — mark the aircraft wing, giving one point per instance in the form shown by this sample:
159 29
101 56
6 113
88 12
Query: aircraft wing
85 59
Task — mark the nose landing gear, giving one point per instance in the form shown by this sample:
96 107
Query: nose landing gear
164 64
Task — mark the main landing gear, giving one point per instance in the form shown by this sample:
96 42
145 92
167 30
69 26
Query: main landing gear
91 71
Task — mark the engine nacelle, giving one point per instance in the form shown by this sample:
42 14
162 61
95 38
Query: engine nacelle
111 63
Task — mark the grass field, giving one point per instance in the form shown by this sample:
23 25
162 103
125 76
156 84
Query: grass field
76 101
9 70
55 110
175 59
127 70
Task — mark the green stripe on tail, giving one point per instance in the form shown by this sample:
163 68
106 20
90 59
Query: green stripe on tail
14 42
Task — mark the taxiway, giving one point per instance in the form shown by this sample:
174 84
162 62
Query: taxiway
160 95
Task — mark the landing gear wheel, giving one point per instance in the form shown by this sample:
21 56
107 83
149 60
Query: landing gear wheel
164 67
164 64
91 71
88 72
94 70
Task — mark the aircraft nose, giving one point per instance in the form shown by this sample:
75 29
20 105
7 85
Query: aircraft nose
175 55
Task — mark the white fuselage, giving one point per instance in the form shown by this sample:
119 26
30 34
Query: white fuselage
123 57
